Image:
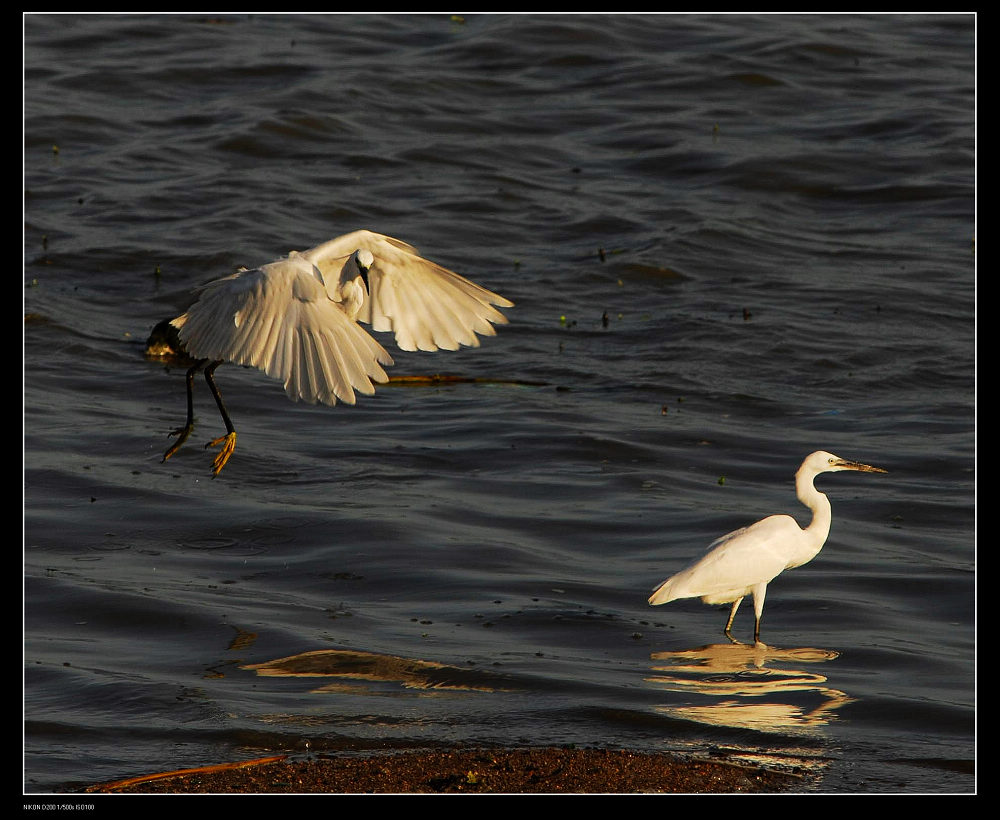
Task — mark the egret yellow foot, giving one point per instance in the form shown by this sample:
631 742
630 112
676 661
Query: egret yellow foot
228 443
182 433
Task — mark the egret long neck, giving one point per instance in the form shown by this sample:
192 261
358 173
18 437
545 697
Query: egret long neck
346 287
819 528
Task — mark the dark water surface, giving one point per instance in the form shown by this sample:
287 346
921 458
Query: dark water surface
785 207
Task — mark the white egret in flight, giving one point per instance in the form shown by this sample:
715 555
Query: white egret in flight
745 561
297 320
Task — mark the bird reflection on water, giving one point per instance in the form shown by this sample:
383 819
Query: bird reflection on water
750 687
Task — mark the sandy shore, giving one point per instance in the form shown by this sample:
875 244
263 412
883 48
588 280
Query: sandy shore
471 771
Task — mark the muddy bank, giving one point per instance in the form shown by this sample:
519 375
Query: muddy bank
473 771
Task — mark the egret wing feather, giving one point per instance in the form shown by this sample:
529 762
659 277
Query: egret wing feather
425 305
279 318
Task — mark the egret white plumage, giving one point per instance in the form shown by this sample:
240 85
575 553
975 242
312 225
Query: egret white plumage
744 562
297 320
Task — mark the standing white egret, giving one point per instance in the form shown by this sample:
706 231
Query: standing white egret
297 320
745 561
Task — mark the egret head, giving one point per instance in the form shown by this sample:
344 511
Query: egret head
364 260
824 462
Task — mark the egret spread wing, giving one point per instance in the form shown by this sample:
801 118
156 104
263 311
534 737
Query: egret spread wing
279 318
426 306
296 319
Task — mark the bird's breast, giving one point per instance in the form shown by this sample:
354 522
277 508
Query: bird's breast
352 297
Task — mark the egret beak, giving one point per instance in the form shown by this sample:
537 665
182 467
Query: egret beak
864 468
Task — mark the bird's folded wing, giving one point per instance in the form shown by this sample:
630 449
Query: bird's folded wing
747 556
278 318
426 306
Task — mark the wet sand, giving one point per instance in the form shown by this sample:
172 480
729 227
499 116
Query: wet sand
470 771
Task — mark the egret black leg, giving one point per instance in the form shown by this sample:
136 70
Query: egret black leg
228 441
759 591
732 617
183 432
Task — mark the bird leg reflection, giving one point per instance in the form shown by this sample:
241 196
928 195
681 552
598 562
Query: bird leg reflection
228 441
